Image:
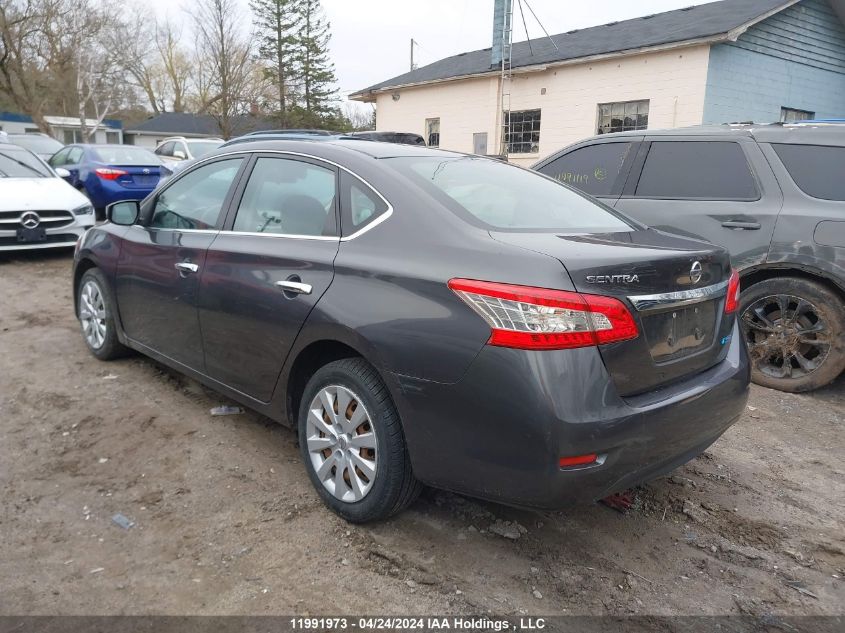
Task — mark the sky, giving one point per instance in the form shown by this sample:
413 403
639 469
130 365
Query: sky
371 38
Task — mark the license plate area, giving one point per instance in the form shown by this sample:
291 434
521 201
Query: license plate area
680 332
26 235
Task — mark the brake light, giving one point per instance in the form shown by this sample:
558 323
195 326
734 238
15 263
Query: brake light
732 300
578 460
539 318
106 173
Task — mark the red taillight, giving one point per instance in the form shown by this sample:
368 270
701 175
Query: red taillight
732 300
539 318
578 460
106 173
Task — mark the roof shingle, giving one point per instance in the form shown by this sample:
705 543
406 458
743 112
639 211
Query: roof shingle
680 25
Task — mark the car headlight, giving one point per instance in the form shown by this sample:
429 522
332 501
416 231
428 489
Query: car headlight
85 209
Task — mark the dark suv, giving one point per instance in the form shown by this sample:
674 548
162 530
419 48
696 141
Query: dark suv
773 195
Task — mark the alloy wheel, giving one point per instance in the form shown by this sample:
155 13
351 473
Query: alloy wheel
787 336
92 314
342 443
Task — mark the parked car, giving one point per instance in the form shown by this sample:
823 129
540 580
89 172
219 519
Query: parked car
37 208
404 138
178 148
108 173
424 318
774 195
42 145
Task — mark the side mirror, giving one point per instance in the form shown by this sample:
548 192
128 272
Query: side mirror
61 172
124 213
179 154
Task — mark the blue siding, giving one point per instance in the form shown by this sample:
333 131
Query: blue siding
794 59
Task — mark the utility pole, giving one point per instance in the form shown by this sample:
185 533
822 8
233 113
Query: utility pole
413 65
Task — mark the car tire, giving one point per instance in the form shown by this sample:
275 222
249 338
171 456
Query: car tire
99 332
811 337
329 443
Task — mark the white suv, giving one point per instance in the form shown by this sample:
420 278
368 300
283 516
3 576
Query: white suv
178 148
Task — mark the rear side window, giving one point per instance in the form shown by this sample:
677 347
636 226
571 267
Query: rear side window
288 197
594 169
501 196
818 170
704 170
360 205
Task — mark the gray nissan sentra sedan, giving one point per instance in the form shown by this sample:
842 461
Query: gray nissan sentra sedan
424 317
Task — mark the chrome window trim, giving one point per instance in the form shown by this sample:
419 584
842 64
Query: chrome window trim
665 300
165 228
384 216
290 236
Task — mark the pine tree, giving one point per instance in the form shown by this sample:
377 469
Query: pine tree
277 23
314 68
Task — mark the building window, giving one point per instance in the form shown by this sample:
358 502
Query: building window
623 116
790 115
432 132
523 133
113 137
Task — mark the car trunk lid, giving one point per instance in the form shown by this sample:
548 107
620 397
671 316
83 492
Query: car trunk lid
138 176
674 287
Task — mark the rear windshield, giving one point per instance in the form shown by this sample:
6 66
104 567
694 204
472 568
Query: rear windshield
201 148
816 169
504 197
37 144
20 163
125 155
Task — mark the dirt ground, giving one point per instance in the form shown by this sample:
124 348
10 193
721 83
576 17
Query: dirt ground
226 522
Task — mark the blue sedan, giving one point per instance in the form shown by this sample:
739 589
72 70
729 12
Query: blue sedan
109 173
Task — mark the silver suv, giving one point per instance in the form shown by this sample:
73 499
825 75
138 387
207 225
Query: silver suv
773 195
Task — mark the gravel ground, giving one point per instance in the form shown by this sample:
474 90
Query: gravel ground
226 522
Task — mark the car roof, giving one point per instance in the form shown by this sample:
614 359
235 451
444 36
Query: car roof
12 146
323 147
808 132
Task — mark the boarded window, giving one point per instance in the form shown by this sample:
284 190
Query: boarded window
522 131
622 116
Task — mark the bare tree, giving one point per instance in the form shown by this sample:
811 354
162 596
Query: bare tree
29 46
359 116
225 66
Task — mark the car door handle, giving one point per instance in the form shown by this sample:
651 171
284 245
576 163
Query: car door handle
735 224
186 267
295 287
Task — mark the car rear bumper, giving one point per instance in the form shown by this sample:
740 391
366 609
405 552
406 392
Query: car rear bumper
500 431
105 192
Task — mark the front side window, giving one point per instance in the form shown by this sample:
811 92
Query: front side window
59 158
288 197
594 169
195 200
432 132
622 116
166 149
791 115
703 170
74 157
816 169
500 196
522 131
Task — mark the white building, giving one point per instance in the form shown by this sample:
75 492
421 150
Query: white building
734 60
66 129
